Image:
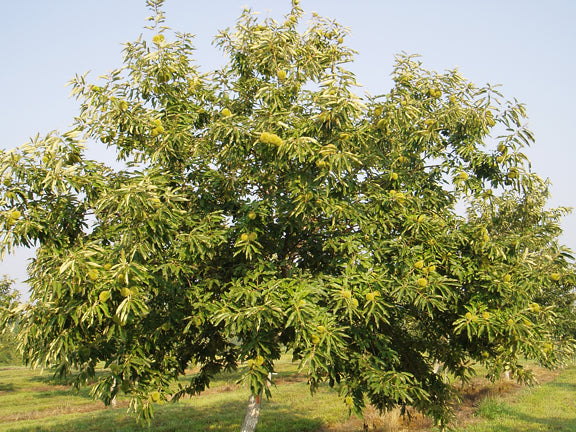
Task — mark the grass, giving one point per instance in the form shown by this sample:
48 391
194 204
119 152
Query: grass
491 408
32 402
549 407
29 402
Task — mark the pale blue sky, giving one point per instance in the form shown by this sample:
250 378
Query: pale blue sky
528 46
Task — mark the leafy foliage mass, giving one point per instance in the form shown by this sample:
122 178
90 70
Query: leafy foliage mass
265 206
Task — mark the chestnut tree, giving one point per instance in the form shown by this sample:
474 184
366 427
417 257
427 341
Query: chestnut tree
267 207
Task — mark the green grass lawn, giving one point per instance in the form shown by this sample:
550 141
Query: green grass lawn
31 401
549 407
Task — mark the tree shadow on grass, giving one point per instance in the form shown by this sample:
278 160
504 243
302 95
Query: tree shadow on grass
65 392
51 378
7 387
564 386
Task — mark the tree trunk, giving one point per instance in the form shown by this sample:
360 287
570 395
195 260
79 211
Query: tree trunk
252 414
113 402
253 410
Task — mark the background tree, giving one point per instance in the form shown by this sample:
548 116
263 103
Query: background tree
9 299
265 207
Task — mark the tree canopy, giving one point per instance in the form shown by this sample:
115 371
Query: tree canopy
266 207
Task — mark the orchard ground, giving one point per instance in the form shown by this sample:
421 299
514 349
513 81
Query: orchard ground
32 401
